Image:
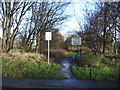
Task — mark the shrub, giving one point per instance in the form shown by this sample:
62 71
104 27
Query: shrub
88 59
106 60
112 61
99 60
4 60
110 54
80 73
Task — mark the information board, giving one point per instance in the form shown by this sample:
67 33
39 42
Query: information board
76 41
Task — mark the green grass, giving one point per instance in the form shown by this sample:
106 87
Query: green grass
30 69
105 73
98 73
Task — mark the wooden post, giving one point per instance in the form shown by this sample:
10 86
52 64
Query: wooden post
91 71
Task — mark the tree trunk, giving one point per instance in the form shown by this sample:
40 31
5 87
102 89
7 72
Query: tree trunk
104 33
4 41
115 43
37 43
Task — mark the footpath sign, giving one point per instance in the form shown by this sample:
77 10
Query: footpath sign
76 41
48 37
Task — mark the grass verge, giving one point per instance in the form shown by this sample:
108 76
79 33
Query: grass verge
98 73
29 67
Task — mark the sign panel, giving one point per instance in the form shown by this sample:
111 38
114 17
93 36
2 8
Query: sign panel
48 36
76 41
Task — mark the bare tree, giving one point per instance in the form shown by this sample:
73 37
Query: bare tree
101 24
45 16
11 17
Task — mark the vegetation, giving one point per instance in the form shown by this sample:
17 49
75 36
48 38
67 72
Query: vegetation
88 59
59 55
56 53
43 16
29 66
24 24
62 55
100 29
70 54
98 73
97 67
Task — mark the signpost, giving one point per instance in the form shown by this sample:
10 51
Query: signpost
48 37
76 41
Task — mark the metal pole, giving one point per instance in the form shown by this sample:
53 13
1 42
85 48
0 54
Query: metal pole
79 51
48 52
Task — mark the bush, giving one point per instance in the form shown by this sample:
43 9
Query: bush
110 54
80 73
112 61
99 60
98 73
4 60
88 59
105 60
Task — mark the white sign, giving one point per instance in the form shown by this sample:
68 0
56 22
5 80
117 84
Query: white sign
76 41
48 36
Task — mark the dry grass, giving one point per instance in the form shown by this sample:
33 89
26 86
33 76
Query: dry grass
23 57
